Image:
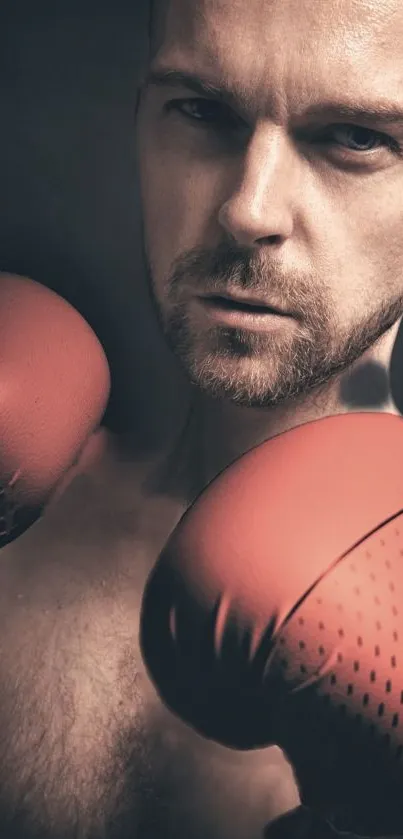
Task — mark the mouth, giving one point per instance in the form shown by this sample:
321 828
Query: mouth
245 312
247 304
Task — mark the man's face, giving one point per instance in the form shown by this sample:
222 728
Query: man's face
270 142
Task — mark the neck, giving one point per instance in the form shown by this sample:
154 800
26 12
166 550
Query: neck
226 431
217 432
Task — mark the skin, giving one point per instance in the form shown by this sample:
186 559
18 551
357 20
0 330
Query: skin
86 748
276 192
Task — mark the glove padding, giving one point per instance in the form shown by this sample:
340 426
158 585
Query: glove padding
274 614
54 387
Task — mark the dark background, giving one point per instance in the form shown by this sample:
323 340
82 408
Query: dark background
69 210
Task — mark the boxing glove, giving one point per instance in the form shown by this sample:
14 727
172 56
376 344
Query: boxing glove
275 613
54 387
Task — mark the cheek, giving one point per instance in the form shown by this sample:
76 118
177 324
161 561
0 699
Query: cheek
385 242
361 242
376 219
179 206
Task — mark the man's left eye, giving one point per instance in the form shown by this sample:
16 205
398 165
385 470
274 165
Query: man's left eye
359 139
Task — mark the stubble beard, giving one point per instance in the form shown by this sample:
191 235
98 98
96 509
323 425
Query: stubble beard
262 369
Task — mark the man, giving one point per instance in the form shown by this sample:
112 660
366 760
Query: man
270 144
270 165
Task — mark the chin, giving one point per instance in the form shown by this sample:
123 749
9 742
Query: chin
221 379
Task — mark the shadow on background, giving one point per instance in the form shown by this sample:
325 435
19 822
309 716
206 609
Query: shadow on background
396 371
366 387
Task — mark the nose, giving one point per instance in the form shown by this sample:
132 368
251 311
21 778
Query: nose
260 210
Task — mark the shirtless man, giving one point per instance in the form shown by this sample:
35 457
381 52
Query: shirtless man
270 145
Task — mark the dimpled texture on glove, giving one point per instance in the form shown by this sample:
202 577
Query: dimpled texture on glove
54 387
275 613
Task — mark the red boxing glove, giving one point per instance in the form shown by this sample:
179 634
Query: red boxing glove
275 613
54 387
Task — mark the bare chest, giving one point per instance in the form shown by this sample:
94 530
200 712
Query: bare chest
86 749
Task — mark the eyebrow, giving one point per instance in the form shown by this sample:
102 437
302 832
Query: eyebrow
180 78
381 112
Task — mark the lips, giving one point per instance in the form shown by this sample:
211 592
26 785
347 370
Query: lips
243 304
244 312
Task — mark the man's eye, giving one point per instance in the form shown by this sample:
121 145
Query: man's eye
357 138
205 111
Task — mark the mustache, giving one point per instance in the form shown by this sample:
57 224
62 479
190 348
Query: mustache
236 268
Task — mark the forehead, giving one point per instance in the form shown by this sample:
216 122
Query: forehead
287 43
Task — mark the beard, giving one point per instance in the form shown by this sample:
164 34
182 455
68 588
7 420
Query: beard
252 367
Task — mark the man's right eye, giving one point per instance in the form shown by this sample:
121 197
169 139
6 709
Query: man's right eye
205 111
